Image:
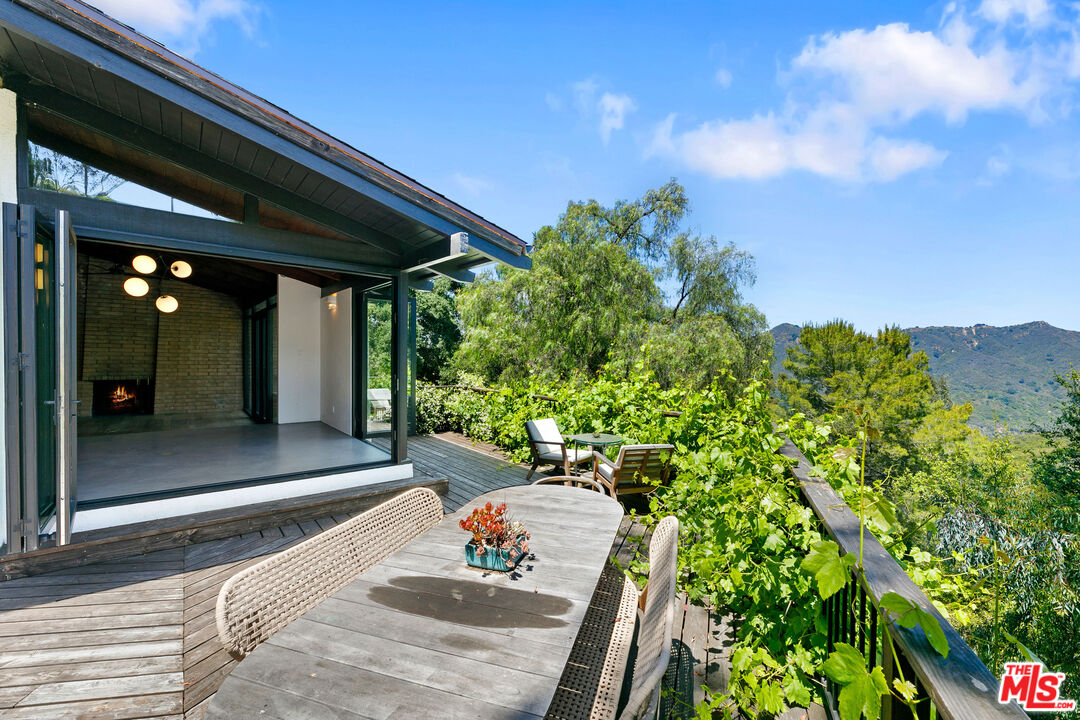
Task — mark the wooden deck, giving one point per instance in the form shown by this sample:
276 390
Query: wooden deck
135 637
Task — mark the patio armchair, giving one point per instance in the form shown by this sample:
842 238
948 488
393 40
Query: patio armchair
257 602
655 617
614 611
549 447
637 469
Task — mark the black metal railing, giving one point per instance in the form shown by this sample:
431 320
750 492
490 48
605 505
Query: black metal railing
956 687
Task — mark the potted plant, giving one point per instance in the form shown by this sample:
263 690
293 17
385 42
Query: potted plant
498 542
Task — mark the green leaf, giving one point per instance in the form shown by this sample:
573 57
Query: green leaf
908 615
934 633
769 698
796 691
895 603
844 664
881 511
1024 650
905 688
862 697
830 571
877 677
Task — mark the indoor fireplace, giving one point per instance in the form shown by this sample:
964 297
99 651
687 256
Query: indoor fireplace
123 397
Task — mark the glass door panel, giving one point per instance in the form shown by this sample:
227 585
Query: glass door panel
45 364
379 349
39 332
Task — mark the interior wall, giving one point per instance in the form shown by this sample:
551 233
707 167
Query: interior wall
337 363
194 355
299 334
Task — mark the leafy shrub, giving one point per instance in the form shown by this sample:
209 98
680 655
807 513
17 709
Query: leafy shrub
745 532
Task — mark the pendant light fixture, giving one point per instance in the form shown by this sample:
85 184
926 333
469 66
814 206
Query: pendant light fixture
147 265
180 269
166 304
144 264
136 286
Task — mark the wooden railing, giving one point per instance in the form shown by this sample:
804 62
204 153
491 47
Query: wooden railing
957 687
549 398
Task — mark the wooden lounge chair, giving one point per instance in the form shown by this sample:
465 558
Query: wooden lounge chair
379 402
257 602
637 469
549 447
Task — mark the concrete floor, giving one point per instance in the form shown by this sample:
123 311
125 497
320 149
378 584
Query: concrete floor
116 466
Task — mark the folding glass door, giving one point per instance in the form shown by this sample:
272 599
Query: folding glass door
374 334
39 380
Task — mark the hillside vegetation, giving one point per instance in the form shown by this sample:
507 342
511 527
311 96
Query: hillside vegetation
1006 373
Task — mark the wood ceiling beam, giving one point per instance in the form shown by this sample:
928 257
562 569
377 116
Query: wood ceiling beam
94 119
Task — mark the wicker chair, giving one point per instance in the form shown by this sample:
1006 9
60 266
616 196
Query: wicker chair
657 604
638 468
257 602
572 481
548 446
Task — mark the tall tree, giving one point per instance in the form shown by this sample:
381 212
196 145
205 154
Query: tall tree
594 298
835 369
438 330
1059 469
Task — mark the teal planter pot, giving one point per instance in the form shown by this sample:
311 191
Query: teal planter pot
494 559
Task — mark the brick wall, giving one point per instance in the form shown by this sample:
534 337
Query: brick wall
194 355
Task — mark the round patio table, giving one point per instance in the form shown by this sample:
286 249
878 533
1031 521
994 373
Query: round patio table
421 634
595 440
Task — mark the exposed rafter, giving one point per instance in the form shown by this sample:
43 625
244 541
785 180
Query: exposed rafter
132 135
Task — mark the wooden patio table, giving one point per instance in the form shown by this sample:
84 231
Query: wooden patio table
422 635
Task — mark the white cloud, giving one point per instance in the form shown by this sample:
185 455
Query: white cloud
997 167
613 111
831 143
723 78
851 93
185 22
554 102
608 109
584 92
893 73
1036 13
889 159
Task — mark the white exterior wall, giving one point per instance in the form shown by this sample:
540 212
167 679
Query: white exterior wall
8 194
299 345
337 363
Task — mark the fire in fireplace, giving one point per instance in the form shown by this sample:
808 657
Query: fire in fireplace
123 397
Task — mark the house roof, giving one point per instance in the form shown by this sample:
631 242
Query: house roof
101 92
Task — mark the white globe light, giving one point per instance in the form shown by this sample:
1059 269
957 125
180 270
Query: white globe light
144 264
181 269
136 287
166 304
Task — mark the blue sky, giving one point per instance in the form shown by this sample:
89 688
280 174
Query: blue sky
884 162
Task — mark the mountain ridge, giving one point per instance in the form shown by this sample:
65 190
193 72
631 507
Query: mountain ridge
1005 372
